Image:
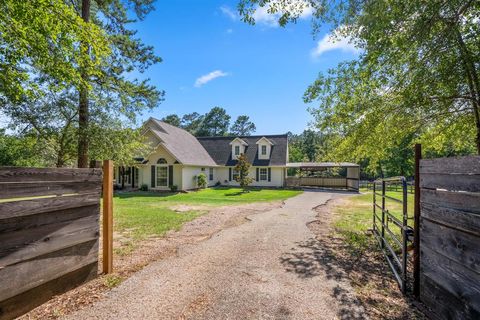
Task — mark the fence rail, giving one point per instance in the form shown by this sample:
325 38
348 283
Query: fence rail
344 183
49 234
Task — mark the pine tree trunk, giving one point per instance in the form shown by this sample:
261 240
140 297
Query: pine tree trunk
83 112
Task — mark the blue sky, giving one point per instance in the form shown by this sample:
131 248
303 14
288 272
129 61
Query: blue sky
261 71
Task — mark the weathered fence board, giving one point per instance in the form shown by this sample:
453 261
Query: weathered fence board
24 302
461 220
454 244
463 201
16 209
451 165
450 236
48 244
18 174
456 182
46 188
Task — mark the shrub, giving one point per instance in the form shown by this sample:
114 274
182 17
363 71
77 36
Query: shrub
144 187
174 188
202 180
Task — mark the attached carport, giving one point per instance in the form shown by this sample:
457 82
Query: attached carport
319 174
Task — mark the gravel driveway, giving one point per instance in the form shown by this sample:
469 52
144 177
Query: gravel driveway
251 271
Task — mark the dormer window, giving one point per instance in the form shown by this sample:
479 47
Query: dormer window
264 150
238 147
265 147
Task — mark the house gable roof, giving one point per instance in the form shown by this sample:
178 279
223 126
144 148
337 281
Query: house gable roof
220 150
242 142
264 139
180 144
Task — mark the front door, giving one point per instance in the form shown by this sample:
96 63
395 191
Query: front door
162 176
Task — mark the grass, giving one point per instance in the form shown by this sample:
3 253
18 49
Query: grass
370 275
356 217
144 214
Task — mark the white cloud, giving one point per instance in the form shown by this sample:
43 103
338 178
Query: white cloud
209 77
229 31
228 12
262 16
331 42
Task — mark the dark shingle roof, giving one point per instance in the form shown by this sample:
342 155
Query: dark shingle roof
220 150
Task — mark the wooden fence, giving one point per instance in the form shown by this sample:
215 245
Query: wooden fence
49 233
322 182
450 236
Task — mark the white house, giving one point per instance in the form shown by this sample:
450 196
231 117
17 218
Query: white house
178 158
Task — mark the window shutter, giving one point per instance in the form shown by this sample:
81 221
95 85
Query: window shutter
133 177
170 176
229 174
269 174
258 174
153 177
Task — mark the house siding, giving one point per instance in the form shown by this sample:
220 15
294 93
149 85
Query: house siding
145 174
277 177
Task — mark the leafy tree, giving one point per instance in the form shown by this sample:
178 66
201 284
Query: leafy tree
417 75
43 36
243 168
172 119
83 47
309 145
215 123
243 126
19 150
52 120
128 54
191 122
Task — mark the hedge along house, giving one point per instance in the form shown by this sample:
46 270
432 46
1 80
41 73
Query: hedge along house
178 158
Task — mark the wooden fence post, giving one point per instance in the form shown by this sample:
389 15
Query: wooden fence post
416 227
107 216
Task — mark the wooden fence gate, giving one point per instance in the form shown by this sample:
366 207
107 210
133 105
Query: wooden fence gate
450 236
49 233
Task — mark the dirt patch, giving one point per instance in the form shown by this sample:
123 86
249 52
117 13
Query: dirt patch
130 257
374 285
184 208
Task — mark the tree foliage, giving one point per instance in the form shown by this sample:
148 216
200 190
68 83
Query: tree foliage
172 119
243 169
215 123
242 126
191 122
415 80
42 36
69 69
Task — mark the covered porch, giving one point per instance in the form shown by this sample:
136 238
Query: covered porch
338 175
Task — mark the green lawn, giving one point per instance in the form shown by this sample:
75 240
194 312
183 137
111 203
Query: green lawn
144 214
355 217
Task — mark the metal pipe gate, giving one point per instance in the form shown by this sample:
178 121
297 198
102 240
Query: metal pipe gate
394 244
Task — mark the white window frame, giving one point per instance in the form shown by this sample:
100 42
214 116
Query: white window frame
263 174
157 185
210 174
264 150
235 174
237 150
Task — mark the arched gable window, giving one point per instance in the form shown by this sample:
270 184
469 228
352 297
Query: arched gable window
162 161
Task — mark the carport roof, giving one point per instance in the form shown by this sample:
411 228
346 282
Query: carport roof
322 165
